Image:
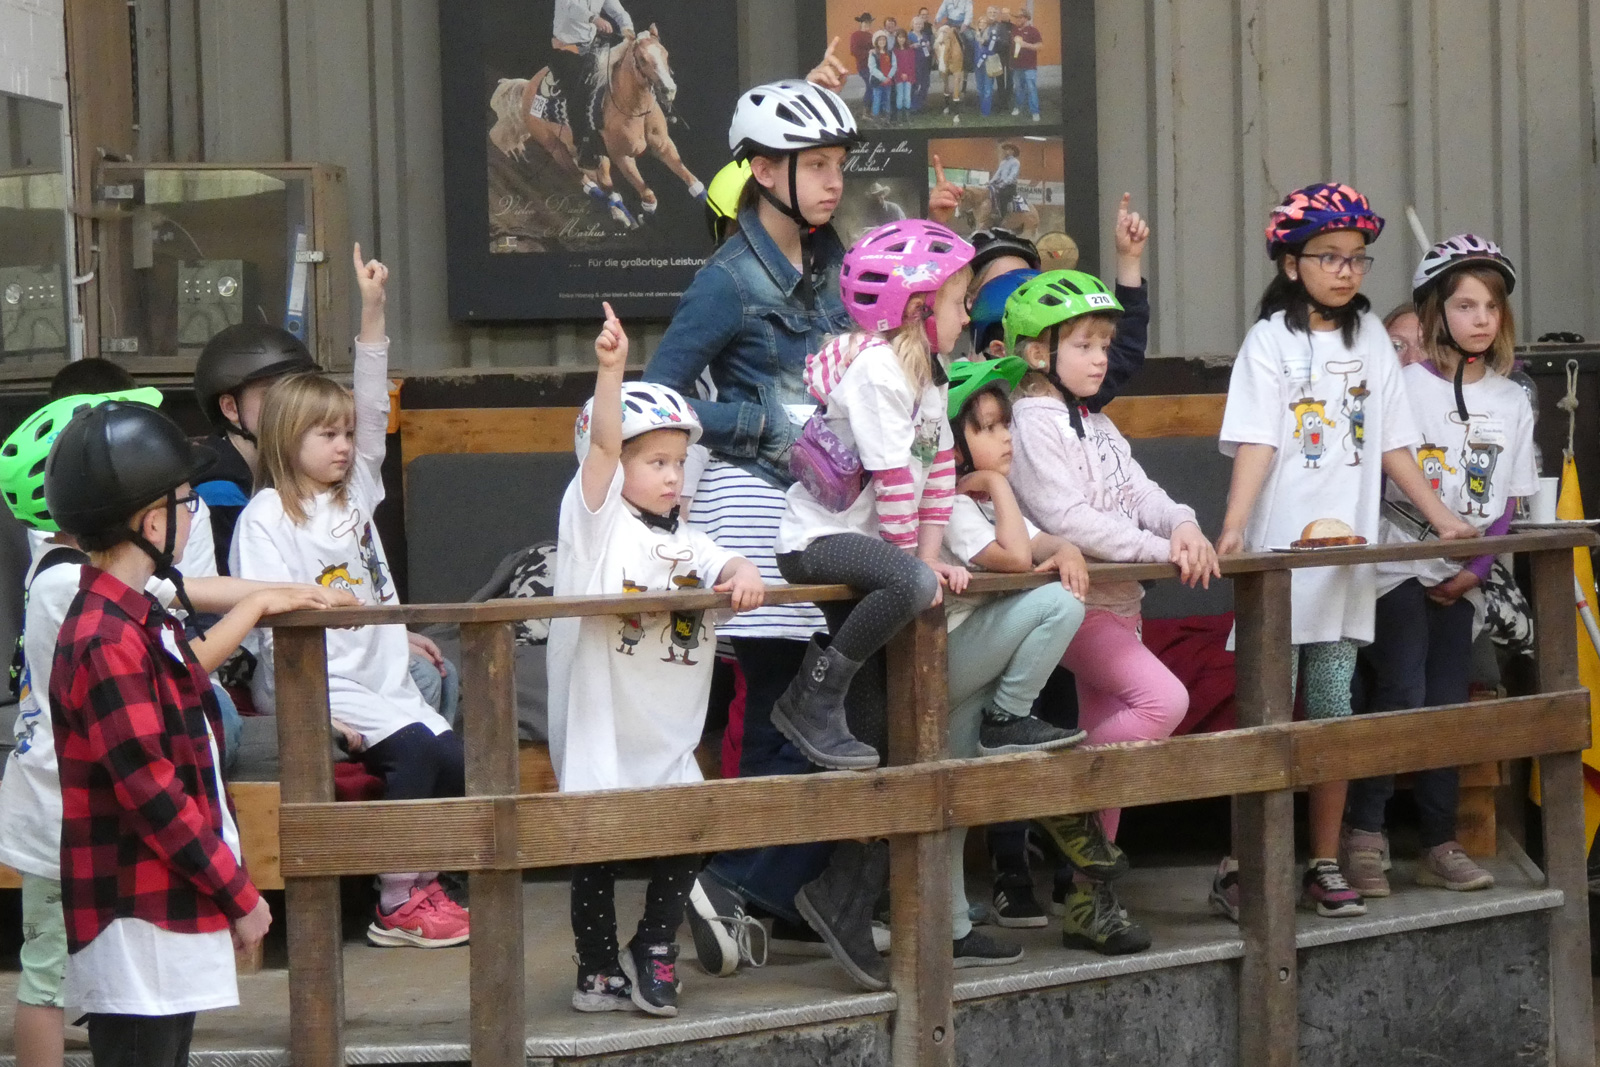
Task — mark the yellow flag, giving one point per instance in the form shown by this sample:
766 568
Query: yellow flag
1570 506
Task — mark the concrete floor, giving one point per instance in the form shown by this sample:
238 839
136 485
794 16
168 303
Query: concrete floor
411 1005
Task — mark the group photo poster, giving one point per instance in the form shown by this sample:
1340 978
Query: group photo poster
579 138
998 98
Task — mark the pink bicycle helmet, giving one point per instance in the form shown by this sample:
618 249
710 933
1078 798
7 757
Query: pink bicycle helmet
1316 209
1459 251
891 262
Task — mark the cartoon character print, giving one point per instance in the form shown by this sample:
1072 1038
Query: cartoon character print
1113 471
922 273
684 628
32 716
1355 414
337 576
1311 425
1480 459
925 447
632 625
1431 458
373 562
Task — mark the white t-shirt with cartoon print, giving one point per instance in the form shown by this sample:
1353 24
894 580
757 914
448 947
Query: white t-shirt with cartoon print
628 693
1476 466
971 530
1331 412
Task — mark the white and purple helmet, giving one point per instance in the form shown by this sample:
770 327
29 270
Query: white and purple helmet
646 406
1459 251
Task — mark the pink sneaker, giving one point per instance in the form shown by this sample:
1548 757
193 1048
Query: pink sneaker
442 901
418 924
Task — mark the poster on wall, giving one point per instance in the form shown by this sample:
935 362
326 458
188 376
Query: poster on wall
1001 96
579 138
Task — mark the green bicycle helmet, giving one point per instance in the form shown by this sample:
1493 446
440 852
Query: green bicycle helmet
23 455
969 377
722 198
1051 299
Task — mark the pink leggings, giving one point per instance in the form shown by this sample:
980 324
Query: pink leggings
1124 692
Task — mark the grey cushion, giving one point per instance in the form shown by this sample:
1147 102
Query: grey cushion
1193 472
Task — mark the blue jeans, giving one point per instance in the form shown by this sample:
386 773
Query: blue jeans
985 89
902 96
880 99
231 729
1026 86
441 691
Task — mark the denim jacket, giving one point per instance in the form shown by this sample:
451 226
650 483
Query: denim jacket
742 319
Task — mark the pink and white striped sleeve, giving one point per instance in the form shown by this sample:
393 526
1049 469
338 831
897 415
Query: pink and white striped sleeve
895 500
939 491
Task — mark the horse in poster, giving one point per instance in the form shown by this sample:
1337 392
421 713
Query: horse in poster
978 205
638 90
952 65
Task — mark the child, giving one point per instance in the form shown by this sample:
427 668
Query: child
30 791
1422 635
1075 477
905 75
883 399
628 712
321 479
1315 381
1009 644
882 67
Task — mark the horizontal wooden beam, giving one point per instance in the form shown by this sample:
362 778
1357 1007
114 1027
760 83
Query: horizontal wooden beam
561 829
514 610
1173 415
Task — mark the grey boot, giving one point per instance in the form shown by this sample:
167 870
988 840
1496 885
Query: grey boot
811 712
838 906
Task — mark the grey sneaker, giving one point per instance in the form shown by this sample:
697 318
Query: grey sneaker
1361 859
1000 734
1449 867
978 949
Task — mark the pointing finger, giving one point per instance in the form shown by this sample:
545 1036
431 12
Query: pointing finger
938 171
611 316
360 267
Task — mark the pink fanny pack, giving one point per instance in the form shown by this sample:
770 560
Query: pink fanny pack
831 472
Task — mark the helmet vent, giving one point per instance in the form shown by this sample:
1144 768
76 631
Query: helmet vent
873 277
940 247
43 429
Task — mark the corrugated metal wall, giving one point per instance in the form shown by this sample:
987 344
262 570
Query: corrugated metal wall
1480 112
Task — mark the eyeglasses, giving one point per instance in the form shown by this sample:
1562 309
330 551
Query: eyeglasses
192 502
1333 262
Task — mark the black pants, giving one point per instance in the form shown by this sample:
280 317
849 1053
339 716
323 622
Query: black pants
140 1040
573 73
594 908
1420 656
417 764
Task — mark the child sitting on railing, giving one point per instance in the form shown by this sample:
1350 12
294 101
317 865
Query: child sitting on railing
628 694
1076 477
311 521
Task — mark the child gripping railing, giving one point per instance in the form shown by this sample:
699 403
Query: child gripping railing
494 834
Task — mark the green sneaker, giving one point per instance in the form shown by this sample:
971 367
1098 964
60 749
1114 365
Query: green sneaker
1095 921
1081 842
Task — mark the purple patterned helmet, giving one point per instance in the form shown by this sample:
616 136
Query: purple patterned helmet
1316 209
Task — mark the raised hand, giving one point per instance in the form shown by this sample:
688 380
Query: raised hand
944 198
611 347
1131 230
831 72
371 279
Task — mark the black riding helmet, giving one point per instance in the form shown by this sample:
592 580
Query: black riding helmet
239 355
998 241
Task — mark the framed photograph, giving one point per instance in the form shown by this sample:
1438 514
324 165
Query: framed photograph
579 138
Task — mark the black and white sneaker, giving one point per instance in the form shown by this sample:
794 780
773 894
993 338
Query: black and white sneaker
999 734
602 991
1015 906
723 932
653 972
978 949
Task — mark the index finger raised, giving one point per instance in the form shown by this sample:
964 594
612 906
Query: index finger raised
611 316
938 171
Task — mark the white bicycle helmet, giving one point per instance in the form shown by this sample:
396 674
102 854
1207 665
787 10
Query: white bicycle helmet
1455 252
646 406
789 116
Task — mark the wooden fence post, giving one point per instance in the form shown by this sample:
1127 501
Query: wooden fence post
305 758
498 963
1263 831
1565 848
922 970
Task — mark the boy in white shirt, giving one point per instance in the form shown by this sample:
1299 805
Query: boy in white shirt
628 695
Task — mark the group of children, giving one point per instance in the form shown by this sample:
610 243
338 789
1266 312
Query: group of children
910 471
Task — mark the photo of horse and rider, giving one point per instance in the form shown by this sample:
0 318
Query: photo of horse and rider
1014 182
950 64
592 110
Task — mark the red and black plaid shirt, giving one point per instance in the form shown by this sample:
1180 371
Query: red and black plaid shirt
141 830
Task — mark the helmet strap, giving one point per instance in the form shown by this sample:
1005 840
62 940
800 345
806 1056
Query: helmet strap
239 431
166 568
1074 416
806 289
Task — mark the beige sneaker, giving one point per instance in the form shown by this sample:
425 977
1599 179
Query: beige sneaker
1361 858
1448 867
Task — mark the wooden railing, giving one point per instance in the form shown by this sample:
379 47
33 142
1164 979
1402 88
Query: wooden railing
495 834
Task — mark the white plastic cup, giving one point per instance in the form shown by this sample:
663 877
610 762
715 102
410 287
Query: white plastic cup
1543 507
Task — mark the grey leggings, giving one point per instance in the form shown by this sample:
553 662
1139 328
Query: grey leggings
897 586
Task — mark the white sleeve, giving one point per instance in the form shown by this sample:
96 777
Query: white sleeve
613 11
1254 411
199 558
371 378
709 557
259 555
969 532
878 403
1399 418
585 533
1524 470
